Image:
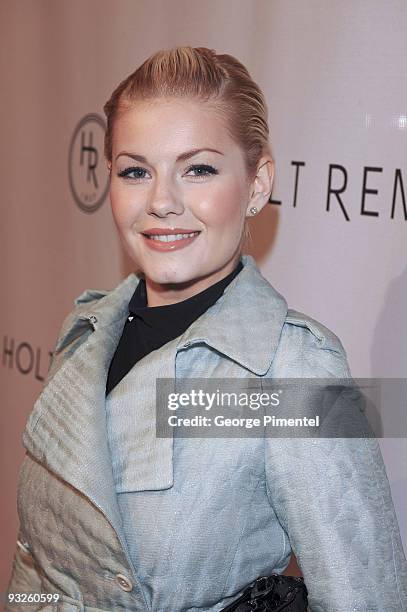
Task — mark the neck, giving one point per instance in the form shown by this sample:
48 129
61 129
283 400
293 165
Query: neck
171 293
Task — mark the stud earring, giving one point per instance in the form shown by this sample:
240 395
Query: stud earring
253 210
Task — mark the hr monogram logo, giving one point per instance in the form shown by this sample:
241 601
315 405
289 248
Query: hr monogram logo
88 178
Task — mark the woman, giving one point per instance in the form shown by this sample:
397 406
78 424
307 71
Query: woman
113 517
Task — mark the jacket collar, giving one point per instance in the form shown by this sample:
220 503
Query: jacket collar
245 323
249 305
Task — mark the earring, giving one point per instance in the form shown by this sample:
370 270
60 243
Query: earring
253 210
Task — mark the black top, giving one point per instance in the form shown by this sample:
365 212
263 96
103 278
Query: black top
150 327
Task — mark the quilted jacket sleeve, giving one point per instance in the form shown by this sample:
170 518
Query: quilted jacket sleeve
333 499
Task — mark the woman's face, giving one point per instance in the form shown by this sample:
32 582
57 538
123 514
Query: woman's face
176 171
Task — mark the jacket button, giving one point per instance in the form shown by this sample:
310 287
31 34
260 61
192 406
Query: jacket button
93 319
124 583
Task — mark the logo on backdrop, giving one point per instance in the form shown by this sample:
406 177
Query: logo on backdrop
88 176
25 358
393 204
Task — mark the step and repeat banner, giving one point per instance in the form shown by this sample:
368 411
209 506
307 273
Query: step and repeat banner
333 239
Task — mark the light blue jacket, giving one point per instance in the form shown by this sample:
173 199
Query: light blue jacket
182 524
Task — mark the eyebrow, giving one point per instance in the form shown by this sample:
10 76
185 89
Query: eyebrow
181 157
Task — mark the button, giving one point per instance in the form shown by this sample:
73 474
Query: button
187 344
124 583
93 319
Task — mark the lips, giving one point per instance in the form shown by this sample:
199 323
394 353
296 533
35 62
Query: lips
170 235
162 239
157 231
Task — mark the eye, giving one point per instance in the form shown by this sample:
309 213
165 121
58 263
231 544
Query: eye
202 170
137 171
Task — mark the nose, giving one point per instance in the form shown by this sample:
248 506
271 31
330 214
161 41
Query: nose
164 198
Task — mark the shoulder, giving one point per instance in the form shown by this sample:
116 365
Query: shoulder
302 346
78 322
80 305
90 295
79 317
322 335
72 330
309 348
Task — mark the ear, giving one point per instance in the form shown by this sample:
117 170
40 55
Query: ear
261 185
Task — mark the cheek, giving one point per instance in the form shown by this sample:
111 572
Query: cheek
226 207
122 210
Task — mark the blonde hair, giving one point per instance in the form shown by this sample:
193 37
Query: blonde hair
199 73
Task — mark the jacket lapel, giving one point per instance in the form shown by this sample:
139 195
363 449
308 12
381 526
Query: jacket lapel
66 430
245 323
141 460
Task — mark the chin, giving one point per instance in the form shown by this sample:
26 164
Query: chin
163 278
172 275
